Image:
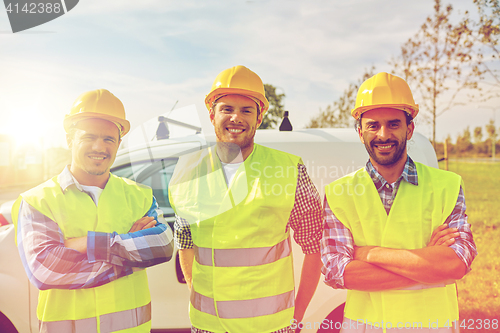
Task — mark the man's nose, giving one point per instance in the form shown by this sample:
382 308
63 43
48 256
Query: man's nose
384 133
99 145
236 117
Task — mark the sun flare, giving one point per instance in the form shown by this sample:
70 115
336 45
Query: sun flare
25 127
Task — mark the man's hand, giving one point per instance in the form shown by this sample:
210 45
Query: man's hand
144 223
443 236
361 252
79 244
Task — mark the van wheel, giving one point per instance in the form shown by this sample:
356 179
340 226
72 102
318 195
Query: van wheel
333 322
5 325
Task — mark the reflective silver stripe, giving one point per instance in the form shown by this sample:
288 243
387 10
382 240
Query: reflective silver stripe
110 322
244 308
203 303
425 286
243 257
87 325
117 321
203 255
255 307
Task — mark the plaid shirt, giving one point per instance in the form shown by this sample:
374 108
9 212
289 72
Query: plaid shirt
306 217
337 244
50 265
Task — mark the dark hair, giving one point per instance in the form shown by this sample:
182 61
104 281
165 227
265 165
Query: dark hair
357 124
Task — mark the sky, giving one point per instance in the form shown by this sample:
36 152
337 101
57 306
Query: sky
157 54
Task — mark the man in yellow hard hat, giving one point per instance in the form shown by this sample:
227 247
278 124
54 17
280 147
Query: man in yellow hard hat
396 233
235 204
84 235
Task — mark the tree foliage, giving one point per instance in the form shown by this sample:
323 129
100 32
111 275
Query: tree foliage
464 143
491 129
437 64
465 147
276 107
478 134
483 33
338 114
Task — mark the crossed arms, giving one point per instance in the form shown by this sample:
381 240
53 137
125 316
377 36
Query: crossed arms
377 268
448 256
96 259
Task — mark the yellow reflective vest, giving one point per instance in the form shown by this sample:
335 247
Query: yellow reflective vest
122 305
416 212
242 273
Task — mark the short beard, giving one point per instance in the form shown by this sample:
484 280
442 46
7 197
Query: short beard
396 157
96 173
229 150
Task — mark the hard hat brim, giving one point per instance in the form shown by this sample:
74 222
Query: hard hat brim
70 121
411 110
235 91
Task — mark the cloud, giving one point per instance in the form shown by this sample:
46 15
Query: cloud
152 53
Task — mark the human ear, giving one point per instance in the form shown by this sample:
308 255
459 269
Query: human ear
410 130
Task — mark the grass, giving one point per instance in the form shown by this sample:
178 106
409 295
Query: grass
479 291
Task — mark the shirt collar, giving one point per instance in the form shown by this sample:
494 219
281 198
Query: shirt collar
409 174
66 179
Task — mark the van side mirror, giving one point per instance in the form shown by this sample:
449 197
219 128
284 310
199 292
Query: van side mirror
286 125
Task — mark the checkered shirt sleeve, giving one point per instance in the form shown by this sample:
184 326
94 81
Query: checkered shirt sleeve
49 264
306 217
143 248
182 233
337 249
464 245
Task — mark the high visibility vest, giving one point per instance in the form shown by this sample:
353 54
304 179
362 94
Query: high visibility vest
416 212
122 305
242 273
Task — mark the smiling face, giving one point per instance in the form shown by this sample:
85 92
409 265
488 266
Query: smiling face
94 143
384 132
235 119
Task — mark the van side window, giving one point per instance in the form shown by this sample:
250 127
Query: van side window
156 175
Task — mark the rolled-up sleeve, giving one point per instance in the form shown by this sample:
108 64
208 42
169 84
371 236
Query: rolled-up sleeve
182 233
337 249
51 265
464 245
306 217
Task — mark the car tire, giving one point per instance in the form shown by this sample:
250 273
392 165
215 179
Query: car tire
5 325
333 320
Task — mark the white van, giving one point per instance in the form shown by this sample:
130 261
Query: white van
327 153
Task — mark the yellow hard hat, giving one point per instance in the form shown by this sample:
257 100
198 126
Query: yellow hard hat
384 90
238 80
100 104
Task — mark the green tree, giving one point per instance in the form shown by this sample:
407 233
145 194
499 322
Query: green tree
437 65
338 114
478 134
492 135
491 129
464 143
483 34
273 116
